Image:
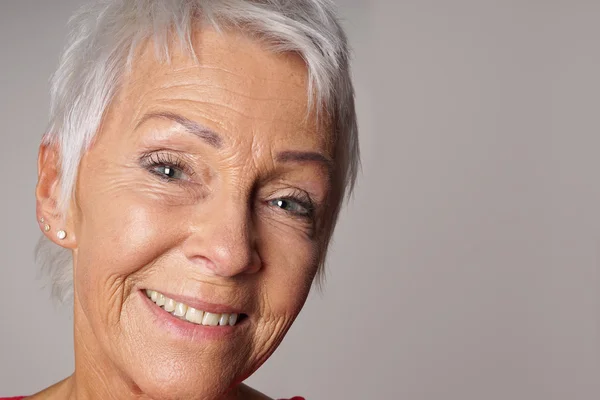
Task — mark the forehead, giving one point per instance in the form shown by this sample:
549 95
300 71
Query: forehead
236 86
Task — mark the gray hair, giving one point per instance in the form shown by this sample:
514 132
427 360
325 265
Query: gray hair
103 39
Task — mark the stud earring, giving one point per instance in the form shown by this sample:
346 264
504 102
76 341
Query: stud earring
46 226
61 234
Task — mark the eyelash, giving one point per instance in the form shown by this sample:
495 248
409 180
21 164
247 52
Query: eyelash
303 199
152 160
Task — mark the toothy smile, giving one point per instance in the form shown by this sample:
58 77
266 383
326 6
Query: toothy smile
191 314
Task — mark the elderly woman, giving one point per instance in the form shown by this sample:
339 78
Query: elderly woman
192 173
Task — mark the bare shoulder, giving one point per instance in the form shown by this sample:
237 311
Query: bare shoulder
248 393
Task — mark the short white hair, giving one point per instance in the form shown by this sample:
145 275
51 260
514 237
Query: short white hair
103 39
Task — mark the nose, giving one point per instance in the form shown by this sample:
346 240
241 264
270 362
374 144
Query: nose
222 240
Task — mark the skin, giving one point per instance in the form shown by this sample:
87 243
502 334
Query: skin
216 231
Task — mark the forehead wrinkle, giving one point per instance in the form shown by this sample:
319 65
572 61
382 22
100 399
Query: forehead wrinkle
246 77
221 123
273 98
189 83
192 90
214 50
193 87
196 80
172 77
290 66
203 108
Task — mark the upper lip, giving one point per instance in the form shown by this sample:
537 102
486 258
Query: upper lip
199 304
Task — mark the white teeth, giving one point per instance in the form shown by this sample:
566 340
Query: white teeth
194 315
180 310
211 319
224 320
170 305
190 314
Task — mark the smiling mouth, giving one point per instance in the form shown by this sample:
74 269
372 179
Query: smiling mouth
192 315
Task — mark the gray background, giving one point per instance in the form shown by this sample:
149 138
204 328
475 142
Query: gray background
467 265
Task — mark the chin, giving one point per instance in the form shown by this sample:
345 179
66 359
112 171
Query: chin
168 359
172 379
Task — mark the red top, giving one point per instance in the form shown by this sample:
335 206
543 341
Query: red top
22 397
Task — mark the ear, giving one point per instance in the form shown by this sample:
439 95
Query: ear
51 221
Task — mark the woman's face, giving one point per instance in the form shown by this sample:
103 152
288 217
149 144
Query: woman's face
207 184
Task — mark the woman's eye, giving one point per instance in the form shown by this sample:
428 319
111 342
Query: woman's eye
291 206
166 166
168 171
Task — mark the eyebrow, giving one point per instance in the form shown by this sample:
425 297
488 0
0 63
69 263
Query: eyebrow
213 139
204 133
304 156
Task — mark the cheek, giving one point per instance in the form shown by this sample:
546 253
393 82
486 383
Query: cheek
118 237
290 263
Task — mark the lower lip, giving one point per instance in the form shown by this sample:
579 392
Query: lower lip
187 330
